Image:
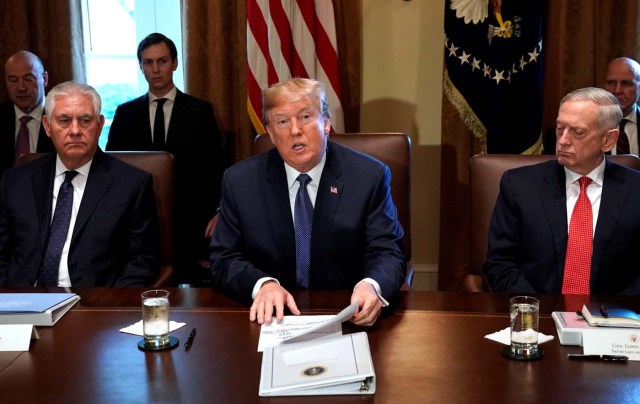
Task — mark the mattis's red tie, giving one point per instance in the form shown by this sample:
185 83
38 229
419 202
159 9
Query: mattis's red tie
577 266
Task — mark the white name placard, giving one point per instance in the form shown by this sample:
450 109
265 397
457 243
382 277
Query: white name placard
615 341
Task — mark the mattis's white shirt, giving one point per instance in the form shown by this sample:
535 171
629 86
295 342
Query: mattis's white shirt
594 191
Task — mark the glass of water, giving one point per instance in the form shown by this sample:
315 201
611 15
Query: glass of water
155 319
524 326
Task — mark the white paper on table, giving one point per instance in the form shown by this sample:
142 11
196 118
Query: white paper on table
136 329
17 337
304 328
504 337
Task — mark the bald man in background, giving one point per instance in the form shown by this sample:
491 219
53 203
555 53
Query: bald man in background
623 81
26 79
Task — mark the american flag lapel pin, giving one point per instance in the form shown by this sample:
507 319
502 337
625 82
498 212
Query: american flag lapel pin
333 190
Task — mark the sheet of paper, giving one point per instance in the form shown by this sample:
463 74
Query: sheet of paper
16 337
304 328
136 329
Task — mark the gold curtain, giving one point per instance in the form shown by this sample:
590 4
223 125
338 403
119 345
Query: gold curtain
215 45
580 37
50 29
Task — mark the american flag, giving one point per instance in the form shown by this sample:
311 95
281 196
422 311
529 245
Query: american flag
292 38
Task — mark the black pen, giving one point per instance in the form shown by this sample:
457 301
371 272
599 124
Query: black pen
583 357
603 311
187 345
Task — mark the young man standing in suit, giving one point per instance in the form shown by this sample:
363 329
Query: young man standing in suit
532 246
309 214
77 217
169 120
21 129
623 81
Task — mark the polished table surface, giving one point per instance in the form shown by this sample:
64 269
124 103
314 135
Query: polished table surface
428 348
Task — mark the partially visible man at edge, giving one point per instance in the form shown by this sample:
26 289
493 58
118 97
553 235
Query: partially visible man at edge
26 80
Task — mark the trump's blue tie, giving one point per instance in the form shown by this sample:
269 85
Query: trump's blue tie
58 232
303 221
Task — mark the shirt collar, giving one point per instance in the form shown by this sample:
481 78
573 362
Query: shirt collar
596 175
315 173
633 117
84 170
36 113
171 95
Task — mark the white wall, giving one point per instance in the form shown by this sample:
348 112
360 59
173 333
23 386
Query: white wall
402 92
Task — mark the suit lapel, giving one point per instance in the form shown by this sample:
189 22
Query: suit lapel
276 195
142 107
98 183
614 196
42 183
553 197
329 193
637 123
8 129
177 115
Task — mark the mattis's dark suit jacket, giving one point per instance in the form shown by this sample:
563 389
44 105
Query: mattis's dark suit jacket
115 240
528 232
8 137
356 233
194 140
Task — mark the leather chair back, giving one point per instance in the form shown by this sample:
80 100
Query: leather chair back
485 172
161 166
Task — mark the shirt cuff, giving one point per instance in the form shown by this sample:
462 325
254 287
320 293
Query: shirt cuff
376 286
259 284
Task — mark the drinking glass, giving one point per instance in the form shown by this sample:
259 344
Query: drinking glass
524 326
155 318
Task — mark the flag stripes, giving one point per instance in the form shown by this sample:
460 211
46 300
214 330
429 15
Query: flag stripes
291 38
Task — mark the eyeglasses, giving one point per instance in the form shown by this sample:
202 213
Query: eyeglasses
84 121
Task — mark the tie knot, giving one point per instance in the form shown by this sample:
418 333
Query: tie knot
304 179
161 102
69 176
25 119
584 182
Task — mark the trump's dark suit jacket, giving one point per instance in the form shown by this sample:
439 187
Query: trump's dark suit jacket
8 137
529 231
194 140
115 240
356 233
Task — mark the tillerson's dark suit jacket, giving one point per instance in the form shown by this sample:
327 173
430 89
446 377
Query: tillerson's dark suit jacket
115 240
194 140
355 234
528 232
8 137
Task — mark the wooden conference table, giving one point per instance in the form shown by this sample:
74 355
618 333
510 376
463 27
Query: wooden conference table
429 348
